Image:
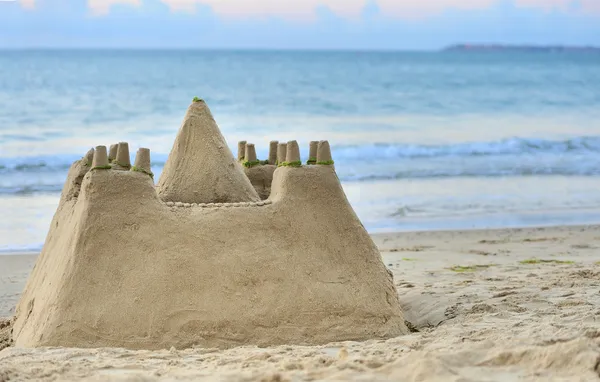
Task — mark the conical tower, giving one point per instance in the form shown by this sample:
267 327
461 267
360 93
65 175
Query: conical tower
201 168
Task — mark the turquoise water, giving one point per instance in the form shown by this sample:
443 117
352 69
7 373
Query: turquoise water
421 140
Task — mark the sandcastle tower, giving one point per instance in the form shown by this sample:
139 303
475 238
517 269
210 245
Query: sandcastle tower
324 153
273 153
241 150
112 153
125 264
312 153
122 159
200 167
281 153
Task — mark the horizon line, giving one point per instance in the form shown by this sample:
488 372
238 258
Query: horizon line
449 47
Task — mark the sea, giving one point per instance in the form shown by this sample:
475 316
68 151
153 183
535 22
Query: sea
421 140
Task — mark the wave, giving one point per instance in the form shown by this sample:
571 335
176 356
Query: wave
372 151
473 173
372 162
512 146
50 163
390 174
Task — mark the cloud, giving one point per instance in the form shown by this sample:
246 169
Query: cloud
306 9
348 9
586 6
28 4
102 7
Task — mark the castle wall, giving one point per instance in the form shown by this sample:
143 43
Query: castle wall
125 269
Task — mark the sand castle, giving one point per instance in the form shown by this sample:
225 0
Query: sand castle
220 253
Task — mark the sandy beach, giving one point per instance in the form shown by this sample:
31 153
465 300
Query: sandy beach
503 305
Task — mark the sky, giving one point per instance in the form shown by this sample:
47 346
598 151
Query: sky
296 24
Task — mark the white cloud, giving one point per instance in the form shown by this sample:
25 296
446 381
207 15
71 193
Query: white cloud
305 9
409 8
102 7
28 4
350 9
587 6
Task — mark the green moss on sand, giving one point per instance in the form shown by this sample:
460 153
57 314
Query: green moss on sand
122 164
137 169
196 99
469 268
251 164
311 161
326 163
291 164
541 261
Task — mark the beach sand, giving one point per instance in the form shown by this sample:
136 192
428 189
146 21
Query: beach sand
503 305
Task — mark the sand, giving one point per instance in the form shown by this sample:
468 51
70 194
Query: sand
201 168
261 178
503 316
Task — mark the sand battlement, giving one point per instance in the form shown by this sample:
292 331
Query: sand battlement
260 172
200 258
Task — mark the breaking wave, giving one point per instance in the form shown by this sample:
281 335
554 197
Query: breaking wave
380 161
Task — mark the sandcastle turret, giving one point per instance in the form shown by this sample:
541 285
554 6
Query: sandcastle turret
112 152
250 159
273 145
241 150
88 158
201 168
123 159
100 160
281 153
324 153
312 155
293 155
142 162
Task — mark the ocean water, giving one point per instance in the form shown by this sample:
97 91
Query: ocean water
421 140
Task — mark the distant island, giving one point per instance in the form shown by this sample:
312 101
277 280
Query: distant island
520 48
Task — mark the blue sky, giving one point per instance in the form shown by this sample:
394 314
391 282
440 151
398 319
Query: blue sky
296 24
